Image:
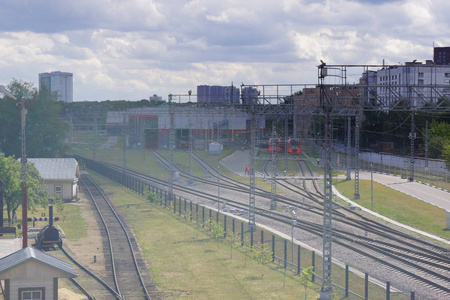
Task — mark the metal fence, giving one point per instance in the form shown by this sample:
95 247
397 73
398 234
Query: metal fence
291 256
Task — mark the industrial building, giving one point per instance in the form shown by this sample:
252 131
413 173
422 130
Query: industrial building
151 125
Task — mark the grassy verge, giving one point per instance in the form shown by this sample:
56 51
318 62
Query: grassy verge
73 224
186 262
398 206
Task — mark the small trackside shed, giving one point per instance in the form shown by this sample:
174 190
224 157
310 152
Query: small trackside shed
32 274
60 176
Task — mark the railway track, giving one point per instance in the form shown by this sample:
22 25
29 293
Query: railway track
343 216
127 279
93 286
423 263
126 272
348 217
226 183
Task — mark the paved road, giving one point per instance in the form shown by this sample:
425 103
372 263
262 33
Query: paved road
236 162
110 142
421 191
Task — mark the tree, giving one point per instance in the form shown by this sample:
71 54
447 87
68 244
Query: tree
439 136
262 254
45 130
59 202
290 99
10 172
446 153
305 278
247 247
150 196
217 231
234 240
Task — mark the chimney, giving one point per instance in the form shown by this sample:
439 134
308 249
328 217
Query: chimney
50 213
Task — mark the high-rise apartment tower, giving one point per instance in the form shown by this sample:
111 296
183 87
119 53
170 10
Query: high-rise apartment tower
60 82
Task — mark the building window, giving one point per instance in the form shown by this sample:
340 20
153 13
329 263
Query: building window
31 294
58 191
447 74
420 74
447 81
420 81
35 295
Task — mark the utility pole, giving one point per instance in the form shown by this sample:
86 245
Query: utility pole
251 204
356 194
274 146
124 132
218 195
1 203
412 137
142 124
349 145
326 291
426 145
286 133
171 147
190 180
191 141
23 175
94 147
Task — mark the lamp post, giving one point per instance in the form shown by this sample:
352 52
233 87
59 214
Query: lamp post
23 160
218 194
371 186
294 223
7 93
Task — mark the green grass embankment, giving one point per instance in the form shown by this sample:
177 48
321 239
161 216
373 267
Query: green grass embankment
397 206
185 262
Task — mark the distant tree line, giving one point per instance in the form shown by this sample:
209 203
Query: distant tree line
394 127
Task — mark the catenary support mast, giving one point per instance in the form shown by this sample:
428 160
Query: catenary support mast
326 291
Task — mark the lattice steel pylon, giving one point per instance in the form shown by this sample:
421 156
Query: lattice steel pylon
349 145
273 158
190 180
412 137
171 147
252 196
94 154
426 146
356 195
125 139
326 291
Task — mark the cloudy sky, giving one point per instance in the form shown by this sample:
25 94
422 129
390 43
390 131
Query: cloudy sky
131 49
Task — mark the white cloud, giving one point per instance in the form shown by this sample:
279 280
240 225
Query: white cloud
171 46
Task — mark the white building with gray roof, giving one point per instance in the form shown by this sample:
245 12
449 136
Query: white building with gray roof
60 176
32 274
